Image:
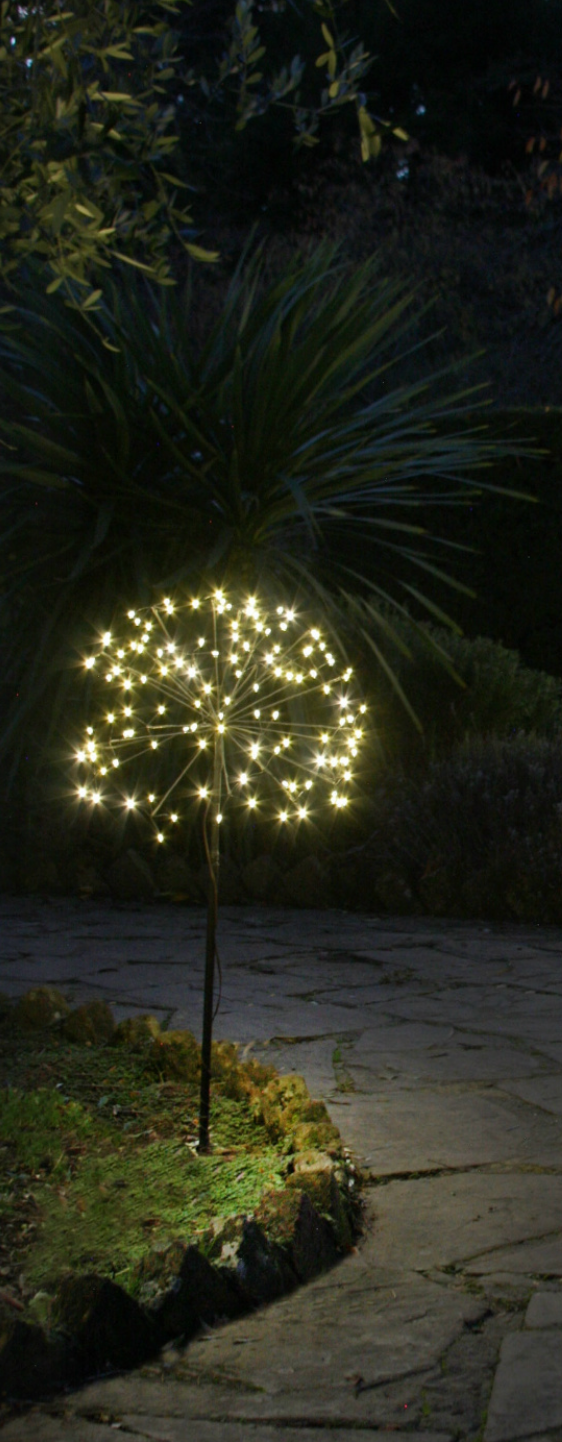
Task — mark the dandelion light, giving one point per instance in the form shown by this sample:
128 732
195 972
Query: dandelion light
237 696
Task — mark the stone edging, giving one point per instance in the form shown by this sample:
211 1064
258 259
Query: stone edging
242 1262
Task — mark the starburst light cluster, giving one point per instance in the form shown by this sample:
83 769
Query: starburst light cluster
259 712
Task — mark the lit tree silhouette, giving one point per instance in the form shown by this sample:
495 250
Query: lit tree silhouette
259 713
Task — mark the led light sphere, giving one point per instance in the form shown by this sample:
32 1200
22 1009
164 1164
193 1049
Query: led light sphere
260 713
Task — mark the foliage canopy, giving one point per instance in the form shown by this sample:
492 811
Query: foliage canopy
280 451
92 100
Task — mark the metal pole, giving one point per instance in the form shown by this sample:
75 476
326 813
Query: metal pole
213 858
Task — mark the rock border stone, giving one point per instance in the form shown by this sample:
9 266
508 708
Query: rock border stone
91 1325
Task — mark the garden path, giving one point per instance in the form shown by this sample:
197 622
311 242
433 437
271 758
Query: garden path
437 1046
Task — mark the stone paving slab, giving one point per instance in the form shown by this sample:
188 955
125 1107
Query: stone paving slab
458 1060
478 1212
198 1429
226 1431
437 1047
526 1399
541 1091
40 1428
540 1259
420 1129
544 1310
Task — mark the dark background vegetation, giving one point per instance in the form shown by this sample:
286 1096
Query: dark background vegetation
460 212
440 69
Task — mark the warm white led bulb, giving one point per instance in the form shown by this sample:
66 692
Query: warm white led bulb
251 661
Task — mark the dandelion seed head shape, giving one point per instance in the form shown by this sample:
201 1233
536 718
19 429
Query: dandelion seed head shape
207 677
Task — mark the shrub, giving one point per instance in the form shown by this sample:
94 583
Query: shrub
480 834
500 696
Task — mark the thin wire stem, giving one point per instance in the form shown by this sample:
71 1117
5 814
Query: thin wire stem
212 851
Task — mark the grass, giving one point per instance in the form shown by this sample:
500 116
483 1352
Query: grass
98 1161
344 1080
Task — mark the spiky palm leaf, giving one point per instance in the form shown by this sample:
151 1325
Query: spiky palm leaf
279 449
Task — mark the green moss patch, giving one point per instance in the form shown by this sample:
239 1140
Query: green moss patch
98 1157
118 1204
116 1236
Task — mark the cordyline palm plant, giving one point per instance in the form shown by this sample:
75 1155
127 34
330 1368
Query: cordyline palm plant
281 449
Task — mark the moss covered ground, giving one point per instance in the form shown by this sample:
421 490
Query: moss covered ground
98 1159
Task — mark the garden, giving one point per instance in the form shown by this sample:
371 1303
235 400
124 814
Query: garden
327 388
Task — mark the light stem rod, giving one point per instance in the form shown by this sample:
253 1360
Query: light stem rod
212 848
